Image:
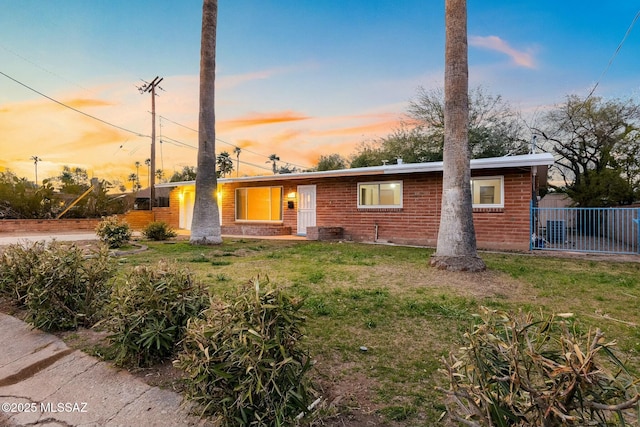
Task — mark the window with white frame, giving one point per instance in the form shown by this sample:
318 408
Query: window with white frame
259 204
387 194
488 192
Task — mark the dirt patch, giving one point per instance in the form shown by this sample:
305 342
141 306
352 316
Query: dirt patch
8 306
479 285
486 284
347 395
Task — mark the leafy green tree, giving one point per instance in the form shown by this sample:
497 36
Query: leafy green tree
412 144
495 130
287 169
331 162
71 180
370 153
188 173
596 144
21 199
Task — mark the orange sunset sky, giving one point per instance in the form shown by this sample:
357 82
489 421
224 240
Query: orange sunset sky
297 79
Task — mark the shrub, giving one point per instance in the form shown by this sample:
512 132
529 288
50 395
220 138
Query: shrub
149 312
18 265
59 286
243 360
158 230
114 232
518 370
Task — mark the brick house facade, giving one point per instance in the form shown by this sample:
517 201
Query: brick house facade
405 208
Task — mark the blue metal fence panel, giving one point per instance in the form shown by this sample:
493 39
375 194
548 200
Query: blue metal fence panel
601 230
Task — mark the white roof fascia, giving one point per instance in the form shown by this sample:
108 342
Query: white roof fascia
543 159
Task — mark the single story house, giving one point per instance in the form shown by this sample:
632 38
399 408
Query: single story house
392 203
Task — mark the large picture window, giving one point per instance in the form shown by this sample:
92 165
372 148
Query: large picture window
386 194
488 192
259 204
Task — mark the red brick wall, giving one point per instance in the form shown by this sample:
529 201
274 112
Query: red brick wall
168 215
47 225
137 220
416 223
256 230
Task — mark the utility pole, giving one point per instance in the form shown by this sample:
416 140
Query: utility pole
151 88
36 159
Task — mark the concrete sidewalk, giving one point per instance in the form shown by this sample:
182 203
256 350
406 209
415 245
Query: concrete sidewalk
45 383
12 238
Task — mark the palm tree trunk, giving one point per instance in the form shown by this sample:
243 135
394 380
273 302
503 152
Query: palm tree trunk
205 226
456 248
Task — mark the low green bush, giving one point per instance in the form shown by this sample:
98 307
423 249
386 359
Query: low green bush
158 230
18 264
60 286
524 370
244 360
148 313
113 232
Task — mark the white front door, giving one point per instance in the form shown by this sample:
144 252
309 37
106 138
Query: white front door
186 211
306 208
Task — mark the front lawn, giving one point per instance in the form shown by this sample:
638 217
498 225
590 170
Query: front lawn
380 319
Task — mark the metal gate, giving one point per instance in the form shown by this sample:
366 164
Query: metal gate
602 230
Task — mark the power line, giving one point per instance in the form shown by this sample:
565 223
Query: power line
613 56
170 140
42 68
177 143
74 109
181 144
229 143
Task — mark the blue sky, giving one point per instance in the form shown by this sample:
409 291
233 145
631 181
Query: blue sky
298 78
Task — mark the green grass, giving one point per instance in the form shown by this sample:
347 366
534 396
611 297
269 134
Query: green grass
408 315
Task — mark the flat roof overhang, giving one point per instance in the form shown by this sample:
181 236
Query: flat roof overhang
527 160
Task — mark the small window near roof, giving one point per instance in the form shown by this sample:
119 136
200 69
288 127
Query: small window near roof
488 192
386 194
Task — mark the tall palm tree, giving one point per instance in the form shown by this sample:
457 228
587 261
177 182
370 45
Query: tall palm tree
36 159
237 151
133 179
224 164
148 163
274 159
205 225
138 170
456 248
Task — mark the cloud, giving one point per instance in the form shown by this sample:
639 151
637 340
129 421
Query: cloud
232 81
286 135
229 82
80 103
258 119
246 143
520 58
377 124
